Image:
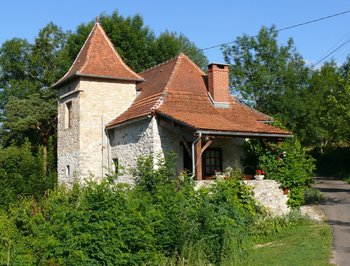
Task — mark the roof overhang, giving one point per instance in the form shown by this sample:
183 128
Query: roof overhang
221 133
242 134
77 75
127 122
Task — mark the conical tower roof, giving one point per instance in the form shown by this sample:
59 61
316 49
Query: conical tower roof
98 58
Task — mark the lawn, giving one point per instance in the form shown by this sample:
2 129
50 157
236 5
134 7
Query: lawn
304 244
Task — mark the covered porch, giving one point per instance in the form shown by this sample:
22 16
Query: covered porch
205 153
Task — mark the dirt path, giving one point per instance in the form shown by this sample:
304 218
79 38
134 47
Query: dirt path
337 209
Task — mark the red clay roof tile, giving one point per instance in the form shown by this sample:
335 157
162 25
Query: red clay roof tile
177 89
99 58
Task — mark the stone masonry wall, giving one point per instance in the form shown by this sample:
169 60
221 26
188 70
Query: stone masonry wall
100 102
270 195
84 146
68 138
166 141
129 142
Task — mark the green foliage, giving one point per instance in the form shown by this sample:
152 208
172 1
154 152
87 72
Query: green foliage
136 43
152 223
263 71
273 78
286 162
22 174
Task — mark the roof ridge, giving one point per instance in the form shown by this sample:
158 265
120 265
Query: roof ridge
76 58
160 64
193 63
115 51
165 90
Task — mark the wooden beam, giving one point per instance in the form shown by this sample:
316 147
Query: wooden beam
199 160
209 142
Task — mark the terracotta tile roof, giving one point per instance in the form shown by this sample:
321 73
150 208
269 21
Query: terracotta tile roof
177 90
99 58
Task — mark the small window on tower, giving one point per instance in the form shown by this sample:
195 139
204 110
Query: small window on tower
67 170
116 165
68 115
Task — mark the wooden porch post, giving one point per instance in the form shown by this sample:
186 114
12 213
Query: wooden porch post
198 160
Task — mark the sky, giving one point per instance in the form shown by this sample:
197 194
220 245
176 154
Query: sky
204 22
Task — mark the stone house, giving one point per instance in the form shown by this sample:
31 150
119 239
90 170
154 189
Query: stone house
109 115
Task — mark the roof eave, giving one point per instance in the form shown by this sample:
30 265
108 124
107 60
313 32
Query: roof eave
75 75
243 134
63 81
126 122
137 80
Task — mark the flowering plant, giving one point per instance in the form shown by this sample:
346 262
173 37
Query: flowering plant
260 172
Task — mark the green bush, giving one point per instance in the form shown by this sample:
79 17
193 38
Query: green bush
156 222
286 162
312 196
22 173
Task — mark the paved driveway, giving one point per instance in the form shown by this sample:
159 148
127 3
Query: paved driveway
337 209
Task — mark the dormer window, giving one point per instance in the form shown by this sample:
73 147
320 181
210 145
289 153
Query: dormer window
68 115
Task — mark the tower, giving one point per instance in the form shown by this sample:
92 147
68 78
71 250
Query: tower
98 87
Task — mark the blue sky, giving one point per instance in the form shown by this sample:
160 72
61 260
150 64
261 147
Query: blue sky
205 22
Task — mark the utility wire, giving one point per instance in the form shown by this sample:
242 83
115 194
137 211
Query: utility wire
286 28
332 52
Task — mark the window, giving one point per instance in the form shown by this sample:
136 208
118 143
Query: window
116 165
68 115
67 170
212 161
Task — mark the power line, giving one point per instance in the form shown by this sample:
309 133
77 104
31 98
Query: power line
286 28
332 52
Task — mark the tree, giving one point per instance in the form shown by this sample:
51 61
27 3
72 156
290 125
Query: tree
169 44
27 102
136 43
265 73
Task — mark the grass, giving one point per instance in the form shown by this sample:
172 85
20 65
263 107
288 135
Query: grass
304 244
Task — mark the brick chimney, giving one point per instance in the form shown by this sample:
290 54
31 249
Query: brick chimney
218 84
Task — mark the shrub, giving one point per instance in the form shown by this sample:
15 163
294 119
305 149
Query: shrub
22 174
286 162
155 222
312 195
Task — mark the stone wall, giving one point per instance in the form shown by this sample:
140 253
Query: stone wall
267 193
84 147
68 138
100 102
270 195
166 141
129 142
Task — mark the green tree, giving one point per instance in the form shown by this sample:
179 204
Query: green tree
263 71
328 107
27 102
137 43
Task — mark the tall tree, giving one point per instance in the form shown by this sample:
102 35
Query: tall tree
270 77
263 72
330 100
27 102
136 43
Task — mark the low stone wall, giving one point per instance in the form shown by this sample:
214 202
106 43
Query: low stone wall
270 195
267 192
